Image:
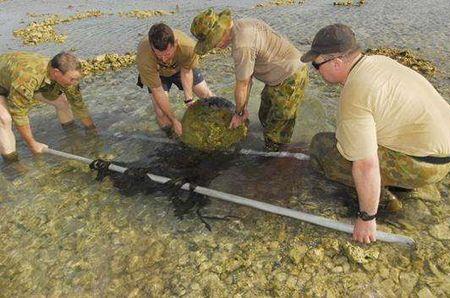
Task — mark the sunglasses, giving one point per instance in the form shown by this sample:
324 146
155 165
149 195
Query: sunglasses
317 65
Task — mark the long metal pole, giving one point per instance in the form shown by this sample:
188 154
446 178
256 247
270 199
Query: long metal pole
314 219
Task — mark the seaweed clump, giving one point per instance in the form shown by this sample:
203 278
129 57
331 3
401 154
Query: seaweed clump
349 3
279 3
407 58
205 125
142 14
109 61
44 31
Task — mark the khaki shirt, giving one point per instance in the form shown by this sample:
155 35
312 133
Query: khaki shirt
259 51
151 68
385 103
23 74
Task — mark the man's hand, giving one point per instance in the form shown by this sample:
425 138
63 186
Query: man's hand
365 231
37 148
177 127
237 120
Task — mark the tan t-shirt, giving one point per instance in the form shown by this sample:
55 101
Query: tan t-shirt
259 51
385 103
150 68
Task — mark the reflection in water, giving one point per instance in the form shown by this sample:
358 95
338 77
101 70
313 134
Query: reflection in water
62 234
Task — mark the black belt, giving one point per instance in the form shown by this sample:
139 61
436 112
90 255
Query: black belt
433 159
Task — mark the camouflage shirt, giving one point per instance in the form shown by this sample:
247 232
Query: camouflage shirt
22 74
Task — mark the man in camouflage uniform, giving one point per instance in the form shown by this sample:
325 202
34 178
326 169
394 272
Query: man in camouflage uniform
393 127
258 51
29 78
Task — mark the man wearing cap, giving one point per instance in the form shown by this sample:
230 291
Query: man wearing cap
258 51
393 127
29 78
167 57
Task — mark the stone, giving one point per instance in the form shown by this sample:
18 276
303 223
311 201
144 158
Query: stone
441 231
359 255
425 293
205 125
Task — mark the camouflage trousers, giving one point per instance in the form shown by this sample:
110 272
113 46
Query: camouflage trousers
396 169
279 106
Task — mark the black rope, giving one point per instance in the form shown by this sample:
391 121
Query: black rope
102 168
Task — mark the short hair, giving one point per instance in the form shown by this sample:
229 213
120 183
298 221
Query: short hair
65 62
160 36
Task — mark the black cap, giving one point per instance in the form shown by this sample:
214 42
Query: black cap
336 38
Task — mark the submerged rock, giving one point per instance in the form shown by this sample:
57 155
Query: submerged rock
441 231
359 255
205 125
407 58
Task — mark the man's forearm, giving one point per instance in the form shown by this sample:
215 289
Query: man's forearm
187 81
27 135
366 175
241 92
162 100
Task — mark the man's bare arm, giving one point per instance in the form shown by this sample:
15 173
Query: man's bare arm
367 178
25 132
187 81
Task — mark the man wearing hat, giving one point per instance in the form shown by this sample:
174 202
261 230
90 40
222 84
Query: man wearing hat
258 51
393 127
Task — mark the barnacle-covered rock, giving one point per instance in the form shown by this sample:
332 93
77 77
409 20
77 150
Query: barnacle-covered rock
105 62
142 14
407 58
44 31
205 125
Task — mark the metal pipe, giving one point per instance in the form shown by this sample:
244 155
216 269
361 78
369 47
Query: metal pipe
314 219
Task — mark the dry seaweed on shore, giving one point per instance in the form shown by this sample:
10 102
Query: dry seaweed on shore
108 61
279 3
142 14
407 58
44 31
349 3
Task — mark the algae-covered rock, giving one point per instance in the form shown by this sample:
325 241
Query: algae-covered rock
358 254
205 125
441 231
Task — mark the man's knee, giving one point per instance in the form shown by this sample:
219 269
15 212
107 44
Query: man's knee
5 120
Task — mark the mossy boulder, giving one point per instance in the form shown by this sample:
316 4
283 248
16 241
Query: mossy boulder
205 125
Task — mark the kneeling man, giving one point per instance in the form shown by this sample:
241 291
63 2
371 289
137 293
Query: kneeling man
393 127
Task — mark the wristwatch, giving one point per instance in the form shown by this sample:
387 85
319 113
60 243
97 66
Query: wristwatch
188 100
239 113
364 216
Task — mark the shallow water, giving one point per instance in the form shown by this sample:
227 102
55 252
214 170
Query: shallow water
64 234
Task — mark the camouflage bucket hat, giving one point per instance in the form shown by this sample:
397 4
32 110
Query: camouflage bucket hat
209 28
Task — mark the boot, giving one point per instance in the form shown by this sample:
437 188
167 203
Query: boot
10 157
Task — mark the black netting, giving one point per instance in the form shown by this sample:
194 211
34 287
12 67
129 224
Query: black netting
181 165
